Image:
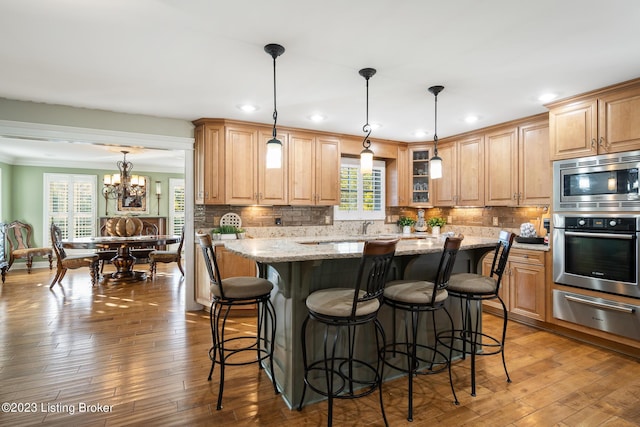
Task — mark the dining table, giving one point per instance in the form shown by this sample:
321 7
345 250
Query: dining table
124 261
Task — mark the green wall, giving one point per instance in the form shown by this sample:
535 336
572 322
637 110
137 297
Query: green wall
22 194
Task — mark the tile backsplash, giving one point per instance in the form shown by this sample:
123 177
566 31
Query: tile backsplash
260 221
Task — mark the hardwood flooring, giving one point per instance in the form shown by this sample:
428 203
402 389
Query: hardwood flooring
133 350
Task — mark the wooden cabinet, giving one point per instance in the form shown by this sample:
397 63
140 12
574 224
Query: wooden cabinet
523 284
230 165
314 169
397 183
419 169
247 180
535 174
501 167
462 182
605 122
209 164
517 165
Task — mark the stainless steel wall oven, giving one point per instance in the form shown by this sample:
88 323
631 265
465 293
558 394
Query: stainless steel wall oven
597 252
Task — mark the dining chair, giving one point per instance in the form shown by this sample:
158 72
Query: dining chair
19 236
340 370
157 256
414 297
66 262
4 265
471 289
238 292
141 253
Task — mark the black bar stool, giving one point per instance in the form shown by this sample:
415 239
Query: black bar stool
475 288
346 373
234 292
415 297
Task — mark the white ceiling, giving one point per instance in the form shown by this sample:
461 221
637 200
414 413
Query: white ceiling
189 59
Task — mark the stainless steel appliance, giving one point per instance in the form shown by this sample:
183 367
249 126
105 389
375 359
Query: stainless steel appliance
597 252
599 183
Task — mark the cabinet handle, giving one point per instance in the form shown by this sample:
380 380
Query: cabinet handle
593 143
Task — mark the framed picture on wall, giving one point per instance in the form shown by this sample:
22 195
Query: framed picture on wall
133 203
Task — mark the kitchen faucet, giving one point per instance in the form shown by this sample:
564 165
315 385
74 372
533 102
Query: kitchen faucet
366 225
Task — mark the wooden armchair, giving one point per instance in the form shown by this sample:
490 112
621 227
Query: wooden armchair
19 236
167 257
142 254
66 262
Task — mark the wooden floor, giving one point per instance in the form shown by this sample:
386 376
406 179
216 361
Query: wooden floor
133 350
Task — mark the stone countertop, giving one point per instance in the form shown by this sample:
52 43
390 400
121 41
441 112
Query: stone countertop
334 247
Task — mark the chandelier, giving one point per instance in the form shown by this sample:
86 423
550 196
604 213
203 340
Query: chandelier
123 184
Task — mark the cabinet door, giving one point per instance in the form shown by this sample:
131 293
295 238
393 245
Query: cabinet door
573 129
233 265
619 121
272 183
444 191
301 169
209 164
202 285
327 171
397 174
470 173
501 164
419 170
535 167
241 178
527 283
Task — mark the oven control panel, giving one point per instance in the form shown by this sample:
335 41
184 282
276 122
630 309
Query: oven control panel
600 223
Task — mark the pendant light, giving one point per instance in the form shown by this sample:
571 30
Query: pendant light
435 165
274 146
366 155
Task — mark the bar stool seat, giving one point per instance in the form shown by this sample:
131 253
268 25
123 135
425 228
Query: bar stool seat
341 370
413 297
231 293
471 290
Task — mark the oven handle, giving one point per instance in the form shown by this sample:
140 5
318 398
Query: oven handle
603 235
600 304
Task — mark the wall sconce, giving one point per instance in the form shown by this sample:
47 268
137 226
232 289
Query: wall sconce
158 194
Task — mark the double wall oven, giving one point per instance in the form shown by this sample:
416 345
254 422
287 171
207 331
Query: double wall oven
596 242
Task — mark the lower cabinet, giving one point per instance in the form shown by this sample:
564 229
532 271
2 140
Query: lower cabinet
229 264
523 284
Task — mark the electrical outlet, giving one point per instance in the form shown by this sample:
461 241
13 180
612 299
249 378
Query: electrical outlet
495 221
278 221
449 219
327 219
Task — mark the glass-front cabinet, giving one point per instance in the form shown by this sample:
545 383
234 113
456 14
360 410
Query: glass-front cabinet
419 158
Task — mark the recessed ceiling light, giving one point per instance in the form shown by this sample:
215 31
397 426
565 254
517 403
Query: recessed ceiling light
375 126
546 97
471 119
317 117
420 133
248 108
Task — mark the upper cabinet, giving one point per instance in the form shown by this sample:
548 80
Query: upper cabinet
230 165
419 169
462 182
314 169
397 173
517 165
607 121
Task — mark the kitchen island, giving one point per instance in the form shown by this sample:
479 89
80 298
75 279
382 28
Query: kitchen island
300 266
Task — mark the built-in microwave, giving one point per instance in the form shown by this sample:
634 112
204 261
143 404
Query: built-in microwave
607 182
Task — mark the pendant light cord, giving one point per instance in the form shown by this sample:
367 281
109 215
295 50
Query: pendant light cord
275 111
367 73
435 129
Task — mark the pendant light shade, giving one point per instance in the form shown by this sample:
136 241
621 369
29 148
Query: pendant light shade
435 164
274 146
366 155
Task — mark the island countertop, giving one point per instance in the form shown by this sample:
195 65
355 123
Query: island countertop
273 250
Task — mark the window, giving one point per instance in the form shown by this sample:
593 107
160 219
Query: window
176 207
361 196
70 203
